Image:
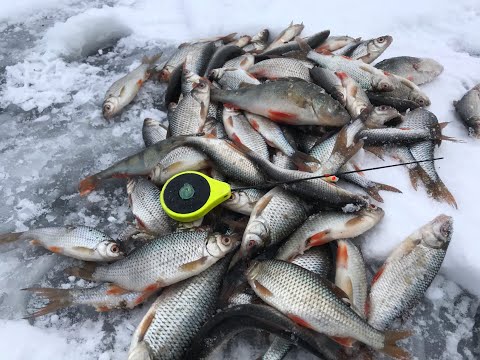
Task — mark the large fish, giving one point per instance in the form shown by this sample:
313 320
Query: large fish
313 302
290 101
334 43
104 297
163 261
327 226
79 242
417 70
143 197
468 107
222 55
169 326
401 282
273 218
124 90
369 50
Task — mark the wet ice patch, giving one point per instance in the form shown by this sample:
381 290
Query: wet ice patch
86 33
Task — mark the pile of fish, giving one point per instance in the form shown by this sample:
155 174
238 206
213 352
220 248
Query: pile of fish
277 258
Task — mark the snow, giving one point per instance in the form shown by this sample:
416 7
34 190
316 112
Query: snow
59 58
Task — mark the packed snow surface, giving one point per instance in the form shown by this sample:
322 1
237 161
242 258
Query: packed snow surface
57 59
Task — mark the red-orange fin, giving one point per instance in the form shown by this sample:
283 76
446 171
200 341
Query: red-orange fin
55 249
344 341
378 274
262 289
342 254
319 238
298 320
116 290
194 265
390 345
87 185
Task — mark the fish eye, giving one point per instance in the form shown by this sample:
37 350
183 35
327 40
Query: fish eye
383 108
114 248
421 101
373 206
108 107
226 240
381 39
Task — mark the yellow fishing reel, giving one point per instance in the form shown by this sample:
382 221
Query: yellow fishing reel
190 195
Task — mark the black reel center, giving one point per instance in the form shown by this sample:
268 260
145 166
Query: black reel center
186 193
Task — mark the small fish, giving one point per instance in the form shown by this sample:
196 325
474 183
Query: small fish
191 112
367 76
315 303
124 90
417 70
332 84
286 35
277 68
327 226
259 42
351 275
356 100
189 81
104 297
163 261
273 218
380 115
313 41
402 280
468 107
290 101
79 242
222 55
153 131
173 320
242 41
394 136
241 62
369 50
233 78
243 201
240 131
143 197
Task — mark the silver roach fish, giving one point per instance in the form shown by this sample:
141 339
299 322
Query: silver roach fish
273 218
143 197
169 326
369 50
468 107
233 78
124 90
259 42
241 62
327 226
351 275
314 302
286 35
104 297
79 242
277 68
243 201
402 280
335 43
163 261
153 131
417 70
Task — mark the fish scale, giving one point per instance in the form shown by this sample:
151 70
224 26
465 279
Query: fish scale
298 292
408 272
233 78
417 70
153 131
160 261
178 314
280 68
468 107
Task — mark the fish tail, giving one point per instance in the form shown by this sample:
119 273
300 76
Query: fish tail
88 184
390 346
10 237
438 190
57 299
151 60
341 146
303 45
228 38
85 272
373 190
301 160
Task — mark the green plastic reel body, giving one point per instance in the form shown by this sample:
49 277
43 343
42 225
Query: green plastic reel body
190 195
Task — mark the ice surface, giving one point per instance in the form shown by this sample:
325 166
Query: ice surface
59 57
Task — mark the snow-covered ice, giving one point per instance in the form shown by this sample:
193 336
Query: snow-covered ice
52 82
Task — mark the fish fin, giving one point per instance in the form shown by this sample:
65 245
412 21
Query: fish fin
57 299
55 249
6 238
373 190
390 345
298 320
318 238
342 147
228 38
378 151
148 291
354 221
337 291
443 125
439 192
344 341
85 272
116 290
122 91
378 274
303 44
262 289
262 203
364 58
145 323
87 185
366 68
194 265
301 159
82 250
203 113
342 254
35 242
